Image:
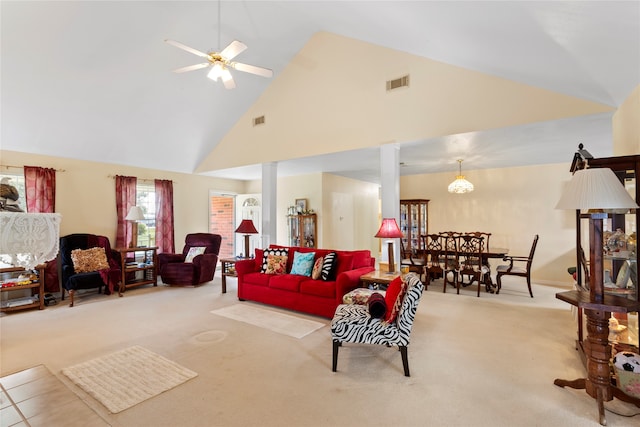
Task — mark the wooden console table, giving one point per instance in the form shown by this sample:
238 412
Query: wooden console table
597 348
148 266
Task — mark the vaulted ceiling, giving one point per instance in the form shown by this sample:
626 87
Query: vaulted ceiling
92 80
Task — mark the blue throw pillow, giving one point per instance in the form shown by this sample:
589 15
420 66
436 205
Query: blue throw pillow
302 263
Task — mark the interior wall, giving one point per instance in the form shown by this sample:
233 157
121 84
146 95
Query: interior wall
299 187
626 126
85 194
513 204
358 220
313 107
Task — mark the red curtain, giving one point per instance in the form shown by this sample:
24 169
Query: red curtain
125 199
164 216
40 186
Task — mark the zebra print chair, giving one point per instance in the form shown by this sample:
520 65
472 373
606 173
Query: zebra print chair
353 324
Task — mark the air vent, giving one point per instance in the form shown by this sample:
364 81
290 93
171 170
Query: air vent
398 83
258 120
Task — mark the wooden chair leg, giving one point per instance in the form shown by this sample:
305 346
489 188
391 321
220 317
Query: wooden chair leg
499 283
405 360
336 346
71 292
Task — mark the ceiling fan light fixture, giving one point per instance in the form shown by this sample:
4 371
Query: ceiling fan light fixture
216 71
460 185
225 75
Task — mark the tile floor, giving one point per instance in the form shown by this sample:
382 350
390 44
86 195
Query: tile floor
35 397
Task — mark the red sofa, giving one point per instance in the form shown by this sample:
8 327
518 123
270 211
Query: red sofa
302 293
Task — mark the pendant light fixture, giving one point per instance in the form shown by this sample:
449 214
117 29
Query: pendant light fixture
460 185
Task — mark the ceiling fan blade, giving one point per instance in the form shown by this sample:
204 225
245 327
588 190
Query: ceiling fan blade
229 83
234 48
187 48
192 67
264 72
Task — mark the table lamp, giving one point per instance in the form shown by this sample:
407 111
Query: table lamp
135 214
596 190
246 227
389 230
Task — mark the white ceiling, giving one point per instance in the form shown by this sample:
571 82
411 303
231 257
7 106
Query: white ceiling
91 80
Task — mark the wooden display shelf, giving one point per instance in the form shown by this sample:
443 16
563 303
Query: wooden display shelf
149 269
39 303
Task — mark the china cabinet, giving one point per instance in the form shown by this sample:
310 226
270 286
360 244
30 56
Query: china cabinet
619 251
303 230
607 297
414 222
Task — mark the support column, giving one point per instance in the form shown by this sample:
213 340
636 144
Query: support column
269 203
390 191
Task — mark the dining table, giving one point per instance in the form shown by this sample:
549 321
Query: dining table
488 254
492 253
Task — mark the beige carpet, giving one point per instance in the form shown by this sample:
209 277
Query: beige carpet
125 378
293 326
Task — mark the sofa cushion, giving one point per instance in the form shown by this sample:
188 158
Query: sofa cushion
302 263
317 268
345 263
194 251
274 261
361 258
287 282
318 288
88 260
329 266
259 279
393 298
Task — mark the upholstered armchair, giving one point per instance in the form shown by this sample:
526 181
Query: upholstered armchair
353 323
95 264
195 265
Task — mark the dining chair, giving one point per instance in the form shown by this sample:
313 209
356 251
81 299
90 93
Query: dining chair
485 248
470 264
450 244
517 270
434 256
411 259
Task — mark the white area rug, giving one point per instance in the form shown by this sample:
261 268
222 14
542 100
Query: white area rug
281 323
127 377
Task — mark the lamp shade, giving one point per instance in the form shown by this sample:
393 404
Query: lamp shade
246 227
389 229
135 214
595 188
460 185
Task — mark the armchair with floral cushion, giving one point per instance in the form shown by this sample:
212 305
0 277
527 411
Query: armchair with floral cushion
195 265
86 261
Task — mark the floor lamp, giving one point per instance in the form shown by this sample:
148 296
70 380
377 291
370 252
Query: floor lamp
595 190
246 227
389 230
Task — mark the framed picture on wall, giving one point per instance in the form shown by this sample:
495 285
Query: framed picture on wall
301 205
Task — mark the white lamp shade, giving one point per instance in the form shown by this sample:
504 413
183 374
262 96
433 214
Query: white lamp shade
135 214
595 188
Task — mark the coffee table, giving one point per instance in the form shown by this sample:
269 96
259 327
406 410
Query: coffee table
377 279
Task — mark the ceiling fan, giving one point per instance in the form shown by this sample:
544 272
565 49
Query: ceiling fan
220 62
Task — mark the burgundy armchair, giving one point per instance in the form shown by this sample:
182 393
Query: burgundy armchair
175 271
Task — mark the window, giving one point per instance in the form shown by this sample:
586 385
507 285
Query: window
17 180
146 200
